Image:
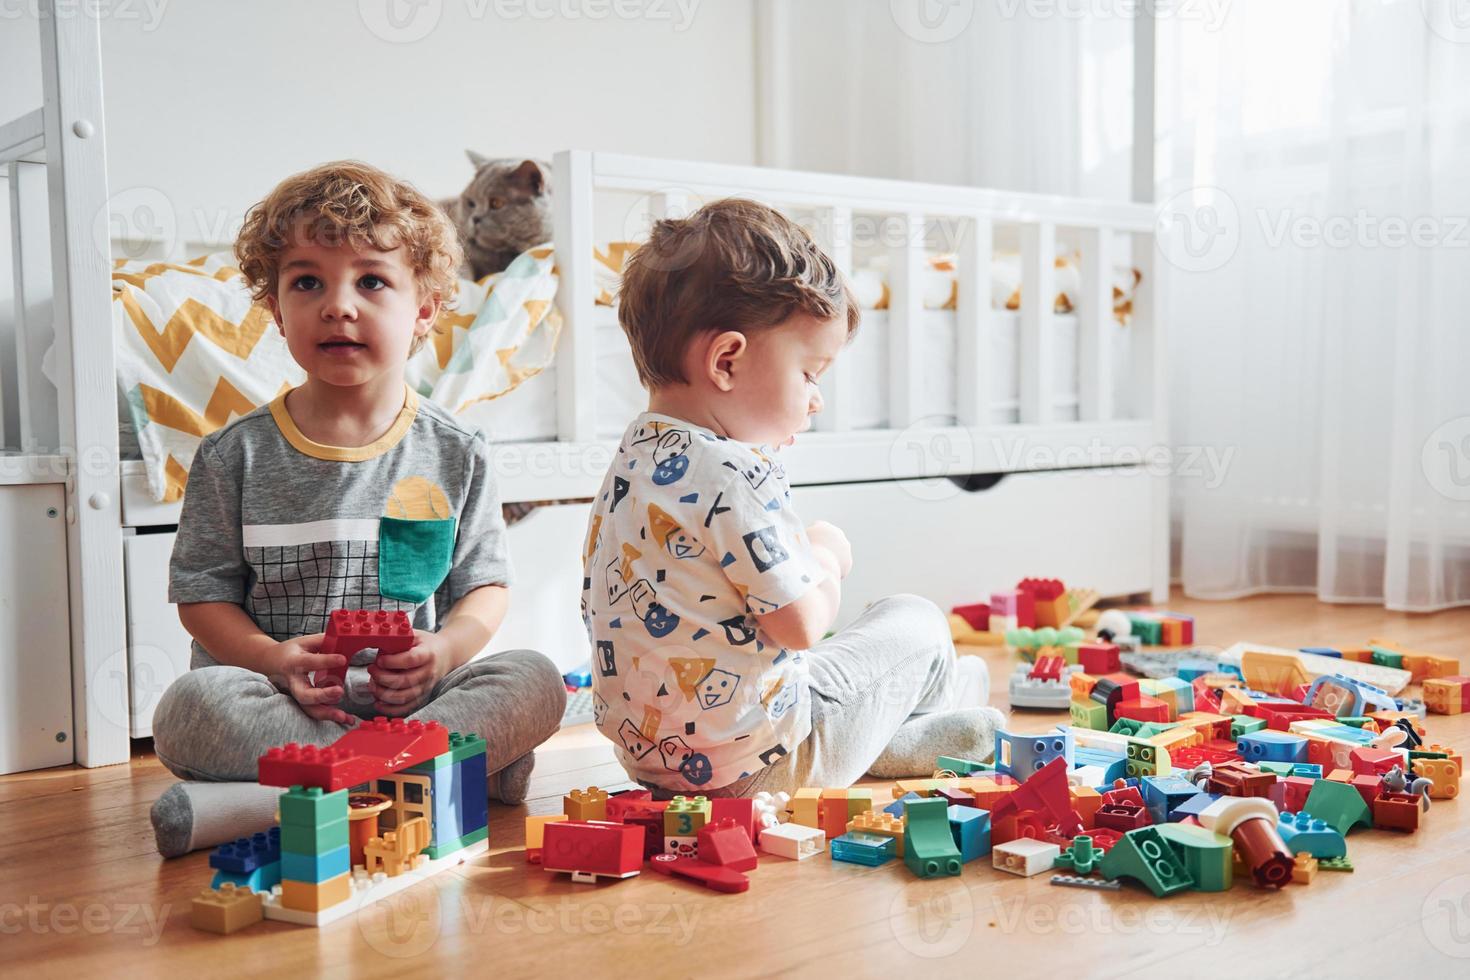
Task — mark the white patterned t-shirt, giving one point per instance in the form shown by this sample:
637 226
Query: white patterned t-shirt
691 536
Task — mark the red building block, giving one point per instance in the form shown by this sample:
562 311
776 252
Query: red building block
739 810
1239 779
727 845
1142 708
352 630
591 849
371 750
1396 811
1099 658
976 614
1048 668
1122 817
709 875
649 815
618 804
1290 794
1046 792
1374 762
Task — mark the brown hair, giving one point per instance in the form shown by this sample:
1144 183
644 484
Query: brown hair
350 203
731 265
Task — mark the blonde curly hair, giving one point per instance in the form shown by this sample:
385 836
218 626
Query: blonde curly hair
350 203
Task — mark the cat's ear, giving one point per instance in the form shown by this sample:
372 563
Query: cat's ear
530 177
476 159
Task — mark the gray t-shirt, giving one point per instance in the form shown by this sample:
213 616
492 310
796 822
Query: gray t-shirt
291 529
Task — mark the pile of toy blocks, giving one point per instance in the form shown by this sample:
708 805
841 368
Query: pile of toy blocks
1034 603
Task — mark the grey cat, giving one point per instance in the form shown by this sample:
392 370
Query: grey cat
505 210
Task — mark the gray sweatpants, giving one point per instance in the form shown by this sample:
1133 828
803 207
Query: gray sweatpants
214 723
893 668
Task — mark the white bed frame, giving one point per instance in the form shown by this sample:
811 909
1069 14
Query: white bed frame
55 160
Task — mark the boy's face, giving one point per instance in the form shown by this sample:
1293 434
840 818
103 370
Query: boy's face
775 390
349 316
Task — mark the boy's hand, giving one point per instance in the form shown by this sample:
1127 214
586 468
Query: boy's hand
292 663
829 536
402 681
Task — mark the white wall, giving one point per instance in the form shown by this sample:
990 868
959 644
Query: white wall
210 102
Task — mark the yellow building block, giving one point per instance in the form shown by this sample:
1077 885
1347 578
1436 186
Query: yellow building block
1443 773
805 807
536 829
879 822
307 896
585 804
227 909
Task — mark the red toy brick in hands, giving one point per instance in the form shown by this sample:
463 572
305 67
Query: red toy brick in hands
352 630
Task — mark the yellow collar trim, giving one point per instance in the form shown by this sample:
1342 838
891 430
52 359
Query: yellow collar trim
346 454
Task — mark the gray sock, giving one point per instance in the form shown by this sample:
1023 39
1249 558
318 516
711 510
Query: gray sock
968 733
191 815
509 785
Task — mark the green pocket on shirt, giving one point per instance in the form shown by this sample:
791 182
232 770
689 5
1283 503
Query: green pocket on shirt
414 557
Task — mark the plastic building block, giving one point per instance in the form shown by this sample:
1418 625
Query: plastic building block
1262 746
884 824
962 767
1045 791
976 615
1240 779
377 748
727 844
620 803
793 840
472 794
711 876
309 896
740 811
1340 805
682 846
1079 856
896 807
585 804
592 849
1025 857
685 816
1162 795
248 853
857 847
1443 775
1251 823
1142 708
315 868
1099 658
225 910
970 828
1447 695
351 630
1304 833
1146 759
536 834
1145 856
1088 714
1097 884
928 846
1396 811
1304 869
261 880
1023 755
1335 864
806 807
1204 854
1029 691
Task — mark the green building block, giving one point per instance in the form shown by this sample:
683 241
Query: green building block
1090 715
1126 726
1339 804
1080 856
299 839
1145 855
1335 864
1204 854
303 807
1149 729
1146 759
928 845
436 851
1281 769
1387 658
1354 721
461 747
1244 725
962 767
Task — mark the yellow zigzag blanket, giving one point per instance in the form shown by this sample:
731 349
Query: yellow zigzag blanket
193 351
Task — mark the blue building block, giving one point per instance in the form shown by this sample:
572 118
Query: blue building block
1308 770
1271 746
970 827
1022 756
581 677
247 853
857 847
1188 670
1323 652
1348 696
316 868
1113 764
1192 807
1162 795
896 807
474 806
1304 832
262 879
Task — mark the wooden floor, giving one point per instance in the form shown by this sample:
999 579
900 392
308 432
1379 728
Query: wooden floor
83 893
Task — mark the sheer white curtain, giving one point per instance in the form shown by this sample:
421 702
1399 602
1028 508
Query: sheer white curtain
1313 170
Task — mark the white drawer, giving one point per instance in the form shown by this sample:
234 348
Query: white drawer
1089 528
158 645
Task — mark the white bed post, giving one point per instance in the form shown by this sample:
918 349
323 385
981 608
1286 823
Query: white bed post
76 171
905 320
834 227
30 233
1095 327
576 354
973 318
1038 311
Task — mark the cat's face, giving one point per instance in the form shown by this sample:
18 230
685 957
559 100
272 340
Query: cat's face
507 205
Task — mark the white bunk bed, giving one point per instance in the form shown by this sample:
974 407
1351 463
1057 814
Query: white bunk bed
1051 478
